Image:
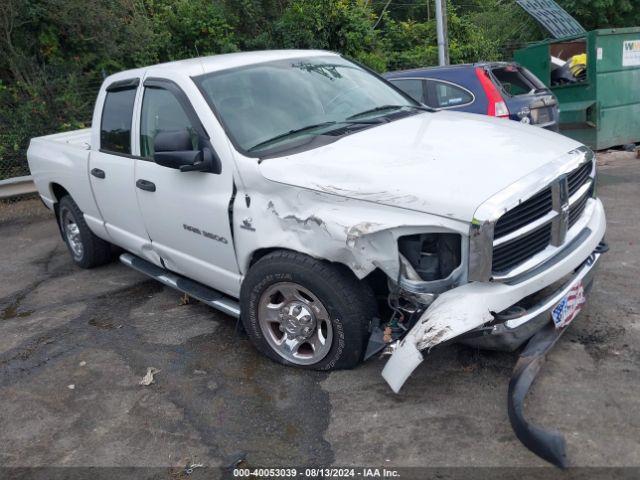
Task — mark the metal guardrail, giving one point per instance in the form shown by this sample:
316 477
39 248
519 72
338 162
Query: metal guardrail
13 187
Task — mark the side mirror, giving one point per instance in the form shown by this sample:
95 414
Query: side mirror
174 150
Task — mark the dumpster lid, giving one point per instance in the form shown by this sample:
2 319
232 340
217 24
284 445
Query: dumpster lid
553 18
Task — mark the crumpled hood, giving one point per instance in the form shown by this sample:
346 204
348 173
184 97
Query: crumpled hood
444 163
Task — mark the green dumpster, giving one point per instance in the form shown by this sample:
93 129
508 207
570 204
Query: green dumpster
595 75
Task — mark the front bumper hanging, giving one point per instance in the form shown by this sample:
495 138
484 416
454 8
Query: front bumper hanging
534 324
549 445
469 308
472 305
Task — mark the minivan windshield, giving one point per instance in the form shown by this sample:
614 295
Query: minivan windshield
270 104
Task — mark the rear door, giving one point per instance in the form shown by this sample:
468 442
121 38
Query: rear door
186 214
111 170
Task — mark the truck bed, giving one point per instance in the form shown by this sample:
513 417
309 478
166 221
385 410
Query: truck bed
59 163
74 138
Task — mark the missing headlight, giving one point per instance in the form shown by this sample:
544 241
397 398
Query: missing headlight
434 256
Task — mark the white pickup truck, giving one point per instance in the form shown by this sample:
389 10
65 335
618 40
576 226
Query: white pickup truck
329 211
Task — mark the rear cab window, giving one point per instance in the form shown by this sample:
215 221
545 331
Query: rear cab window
117 113
515 80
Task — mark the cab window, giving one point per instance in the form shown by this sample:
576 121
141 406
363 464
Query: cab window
115 128
162 112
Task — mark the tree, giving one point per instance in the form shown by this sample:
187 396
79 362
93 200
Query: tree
593 14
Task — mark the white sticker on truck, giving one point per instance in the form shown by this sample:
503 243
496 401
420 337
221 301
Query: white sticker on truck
631 53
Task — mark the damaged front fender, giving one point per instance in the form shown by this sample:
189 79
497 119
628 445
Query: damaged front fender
359 234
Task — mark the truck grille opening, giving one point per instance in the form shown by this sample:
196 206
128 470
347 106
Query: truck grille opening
528 211
513 253
578 177
575 212
509 255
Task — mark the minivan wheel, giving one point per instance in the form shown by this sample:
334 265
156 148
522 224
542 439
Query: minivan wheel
86 249
304 312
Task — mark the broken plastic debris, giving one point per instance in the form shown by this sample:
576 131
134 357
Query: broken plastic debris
237 459
83 363
71 387
148 378
191 467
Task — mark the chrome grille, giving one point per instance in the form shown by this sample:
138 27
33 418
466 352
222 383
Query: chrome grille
576 180
578 177
576 209
539 222
532 209
507 256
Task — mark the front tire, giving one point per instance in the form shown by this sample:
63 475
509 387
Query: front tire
86 249
304 312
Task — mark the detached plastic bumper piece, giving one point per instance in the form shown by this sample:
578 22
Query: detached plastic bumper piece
547 444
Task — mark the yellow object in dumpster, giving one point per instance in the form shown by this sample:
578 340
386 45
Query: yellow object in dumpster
578 65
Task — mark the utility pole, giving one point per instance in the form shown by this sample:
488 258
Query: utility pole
441 30
445 27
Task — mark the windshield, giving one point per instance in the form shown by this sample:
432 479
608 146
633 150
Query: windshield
273 103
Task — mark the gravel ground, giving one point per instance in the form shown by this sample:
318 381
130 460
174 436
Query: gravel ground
75 343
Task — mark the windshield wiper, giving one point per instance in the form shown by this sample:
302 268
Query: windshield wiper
291 132
309 127
388 107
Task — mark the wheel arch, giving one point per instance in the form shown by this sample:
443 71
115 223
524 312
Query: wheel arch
259 253
58 191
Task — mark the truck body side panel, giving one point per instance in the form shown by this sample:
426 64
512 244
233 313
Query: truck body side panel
63 159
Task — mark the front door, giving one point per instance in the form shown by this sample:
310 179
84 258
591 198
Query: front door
186 214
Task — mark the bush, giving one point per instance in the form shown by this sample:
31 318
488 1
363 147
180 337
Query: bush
56 52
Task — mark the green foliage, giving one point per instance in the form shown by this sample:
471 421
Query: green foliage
330 24
594 14
409 43
55 53
188 28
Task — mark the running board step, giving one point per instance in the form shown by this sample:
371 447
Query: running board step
200 292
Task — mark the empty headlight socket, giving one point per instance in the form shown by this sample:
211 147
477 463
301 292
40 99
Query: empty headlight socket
434 256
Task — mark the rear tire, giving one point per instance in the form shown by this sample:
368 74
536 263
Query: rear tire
307 313
86 249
